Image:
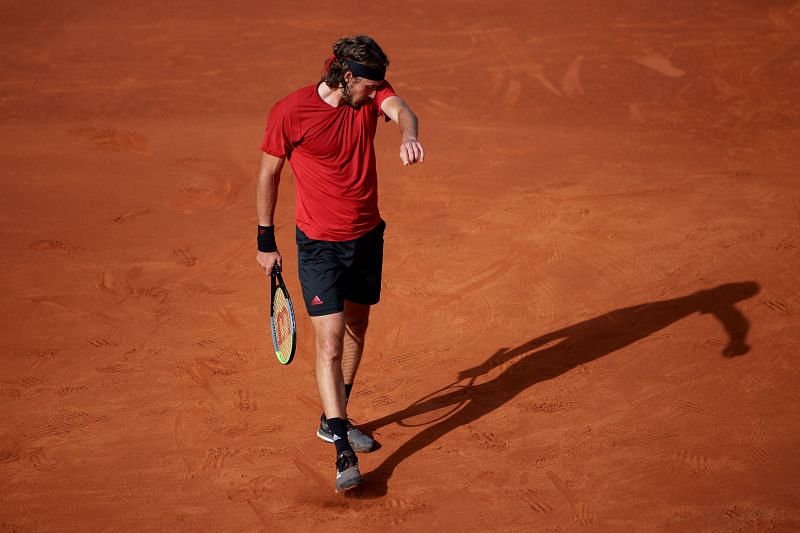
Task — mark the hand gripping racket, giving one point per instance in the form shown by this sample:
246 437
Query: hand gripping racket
281 318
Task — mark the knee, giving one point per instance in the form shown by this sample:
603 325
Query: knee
329 348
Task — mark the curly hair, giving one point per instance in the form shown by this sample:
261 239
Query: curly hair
360 49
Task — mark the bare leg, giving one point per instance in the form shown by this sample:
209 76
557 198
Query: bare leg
356 318
340 344
329 330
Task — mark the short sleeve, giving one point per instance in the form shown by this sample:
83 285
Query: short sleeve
278 136
386 90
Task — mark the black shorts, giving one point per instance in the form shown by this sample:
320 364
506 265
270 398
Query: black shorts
332 272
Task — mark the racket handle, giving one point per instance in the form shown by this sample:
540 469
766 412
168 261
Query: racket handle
276 269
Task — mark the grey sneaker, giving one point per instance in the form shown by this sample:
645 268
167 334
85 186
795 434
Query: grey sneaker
347 473
360 442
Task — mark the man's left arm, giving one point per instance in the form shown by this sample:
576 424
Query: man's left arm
411 150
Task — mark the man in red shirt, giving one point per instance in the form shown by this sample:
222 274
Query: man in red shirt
326 131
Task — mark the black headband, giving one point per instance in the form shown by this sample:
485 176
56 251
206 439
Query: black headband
363 71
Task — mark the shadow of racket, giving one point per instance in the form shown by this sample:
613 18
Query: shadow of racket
451 398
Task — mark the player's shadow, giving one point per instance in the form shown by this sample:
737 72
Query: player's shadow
547 357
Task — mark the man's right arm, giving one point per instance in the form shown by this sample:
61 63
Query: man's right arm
269 177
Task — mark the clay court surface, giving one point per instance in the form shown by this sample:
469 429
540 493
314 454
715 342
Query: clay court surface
591 299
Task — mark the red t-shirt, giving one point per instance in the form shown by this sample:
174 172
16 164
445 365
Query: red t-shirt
332 155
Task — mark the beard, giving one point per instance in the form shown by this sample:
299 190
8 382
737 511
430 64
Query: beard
347 96
348 99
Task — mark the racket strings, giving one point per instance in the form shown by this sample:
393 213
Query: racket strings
282 322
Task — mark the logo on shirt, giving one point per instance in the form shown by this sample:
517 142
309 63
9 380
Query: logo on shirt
316 301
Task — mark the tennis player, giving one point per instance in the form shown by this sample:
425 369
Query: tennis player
326 131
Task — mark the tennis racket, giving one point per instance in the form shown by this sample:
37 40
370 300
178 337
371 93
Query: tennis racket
281 318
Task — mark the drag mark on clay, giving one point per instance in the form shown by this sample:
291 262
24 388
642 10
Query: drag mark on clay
311 473
184 258
731 512
571 82
688 406
491 273
760 456
643 440
25 383
264 515
697 464
557 254
37 354
129 216
561 487
535 502
35 457
199 372
226 316
256 489
513 92
395 511
108 283
55 302
786 244
69 422
53 244
508 41
406 357
188 439
235 431
758 431
100 342
189 162
382 401
713 344
111 140
208 185
375 513
581 510
778 307
583 515
660 64
754 519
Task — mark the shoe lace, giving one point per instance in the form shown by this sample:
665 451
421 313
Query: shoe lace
345 460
